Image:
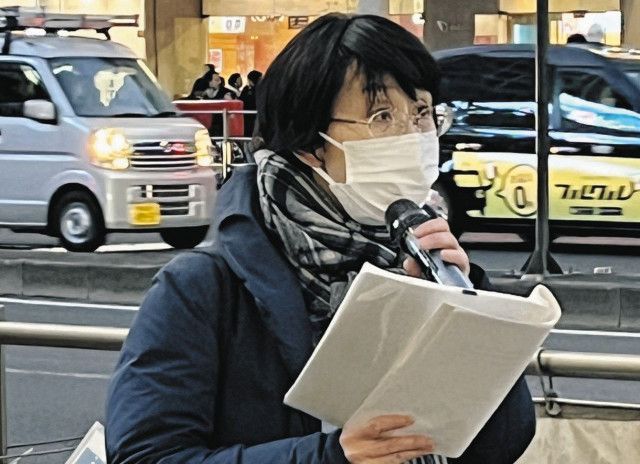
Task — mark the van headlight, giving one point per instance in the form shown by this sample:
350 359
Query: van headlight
110 149
204 148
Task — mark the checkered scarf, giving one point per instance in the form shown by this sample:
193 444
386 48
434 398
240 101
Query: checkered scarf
324 245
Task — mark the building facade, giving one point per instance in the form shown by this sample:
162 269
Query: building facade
459 23
239 36
247 34
178 37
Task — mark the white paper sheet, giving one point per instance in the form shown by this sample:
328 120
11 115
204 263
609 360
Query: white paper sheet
446 356
91 449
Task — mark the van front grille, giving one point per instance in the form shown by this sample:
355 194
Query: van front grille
173 199
174 209
152 192
163 156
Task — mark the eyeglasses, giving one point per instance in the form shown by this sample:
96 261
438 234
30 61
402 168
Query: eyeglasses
389 122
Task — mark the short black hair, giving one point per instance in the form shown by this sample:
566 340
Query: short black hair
233 78
296 96
577 38
254 76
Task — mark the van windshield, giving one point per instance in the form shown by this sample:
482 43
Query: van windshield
111 87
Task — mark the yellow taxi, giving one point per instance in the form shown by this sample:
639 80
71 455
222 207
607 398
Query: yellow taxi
488 161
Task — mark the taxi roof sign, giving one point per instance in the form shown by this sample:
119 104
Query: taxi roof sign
18 19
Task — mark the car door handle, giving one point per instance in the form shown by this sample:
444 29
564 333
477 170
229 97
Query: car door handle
468 146
602 149
557 150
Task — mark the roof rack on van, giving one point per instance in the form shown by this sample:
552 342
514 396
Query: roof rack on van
15 18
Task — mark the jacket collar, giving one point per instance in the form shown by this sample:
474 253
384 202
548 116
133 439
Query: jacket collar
243 242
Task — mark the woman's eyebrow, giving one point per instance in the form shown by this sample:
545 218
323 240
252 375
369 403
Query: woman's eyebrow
378 99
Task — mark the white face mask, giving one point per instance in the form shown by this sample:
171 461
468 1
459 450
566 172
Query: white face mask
380 171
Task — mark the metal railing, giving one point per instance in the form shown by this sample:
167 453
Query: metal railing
585 365
225 139
52 336
544 363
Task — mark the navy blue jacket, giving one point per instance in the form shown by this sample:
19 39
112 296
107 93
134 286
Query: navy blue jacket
219 339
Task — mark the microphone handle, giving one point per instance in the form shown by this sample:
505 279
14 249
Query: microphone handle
431 264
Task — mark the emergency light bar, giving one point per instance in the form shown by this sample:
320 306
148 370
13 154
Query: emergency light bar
20 19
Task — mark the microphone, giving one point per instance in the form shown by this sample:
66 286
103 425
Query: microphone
401 217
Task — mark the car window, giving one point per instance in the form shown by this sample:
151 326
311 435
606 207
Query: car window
20 82
589 103
490 91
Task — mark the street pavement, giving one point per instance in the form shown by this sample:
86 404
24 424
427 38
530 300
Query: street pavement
573 254
13 240
491 251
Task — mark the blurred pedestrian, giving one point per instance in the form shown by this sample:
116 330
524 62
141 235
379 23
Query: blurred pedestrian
202 83
229 93
217 89
248 97
235 85
576 39
595 34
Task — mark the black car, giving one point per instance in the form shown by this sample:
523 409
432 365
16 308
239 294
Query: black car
488 161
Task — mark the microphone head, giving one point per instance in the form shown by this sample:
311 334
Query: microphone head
401 215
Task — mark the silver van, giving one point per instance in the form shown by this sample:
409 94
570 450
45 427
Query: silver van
90 144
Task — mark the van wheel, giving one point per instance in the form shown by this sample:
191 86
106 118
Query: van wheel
184 238
79 223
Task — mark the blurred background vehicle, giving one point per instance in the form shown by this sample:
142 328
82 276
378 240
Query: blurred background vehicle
488 159
89 142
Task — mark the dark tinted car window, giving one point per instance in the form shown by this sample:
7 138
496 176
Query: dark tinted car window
591 87
487 79
19 83
490 91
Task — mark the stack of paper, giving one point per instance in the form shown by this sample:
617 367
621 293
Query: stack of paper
444 355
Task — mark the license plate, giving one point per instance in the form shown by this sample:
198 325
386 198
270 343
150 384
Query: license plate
144 214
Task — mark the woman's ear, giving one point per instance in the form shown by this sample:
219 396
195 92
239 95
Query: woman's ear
314 160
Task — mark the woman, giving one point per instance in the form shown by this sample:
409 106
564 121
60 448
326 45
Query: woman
248 97
235 85
217 89
224 332
202 83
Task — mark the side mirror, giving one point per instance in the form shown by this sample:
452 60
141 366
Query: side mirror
444 118
40 110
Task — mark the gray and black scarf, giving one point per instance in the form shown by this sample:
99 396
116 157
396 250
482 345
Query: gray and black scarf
323 244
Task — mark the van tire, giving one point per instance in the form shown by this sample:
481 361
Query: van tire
78 222
184 238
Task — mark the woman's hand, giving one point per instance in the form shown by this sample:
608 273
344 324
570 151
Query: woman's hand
436 235
372 444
